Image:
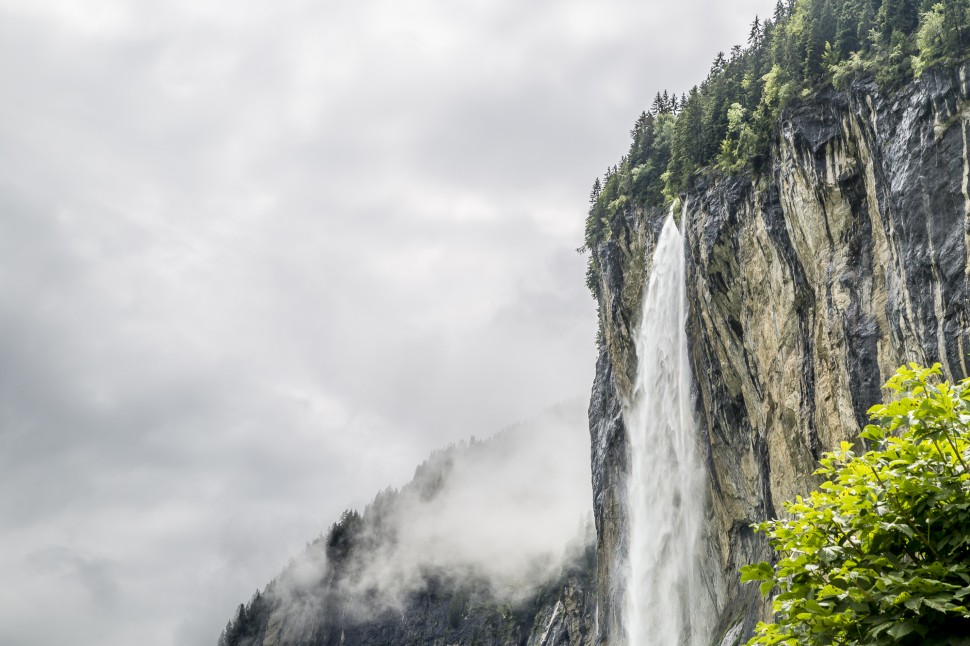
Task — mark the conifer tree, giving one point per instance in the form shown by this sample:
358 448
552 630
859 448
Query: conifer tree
754 36
899 16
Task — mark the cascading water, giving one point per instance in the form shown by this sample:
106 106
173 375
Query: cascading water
663 601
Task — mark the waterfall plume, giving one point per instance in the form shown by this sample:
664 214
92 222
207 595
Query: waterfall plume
663 603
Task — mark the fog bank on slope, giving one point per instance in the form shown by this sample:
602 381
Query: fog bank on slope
497 518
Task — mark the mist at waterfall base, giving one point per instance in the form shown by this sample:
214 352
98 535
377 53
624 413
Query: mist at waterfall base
663 603
506 513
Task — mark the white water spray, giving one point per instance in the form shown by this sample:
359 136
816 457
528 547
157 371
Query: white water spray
663 602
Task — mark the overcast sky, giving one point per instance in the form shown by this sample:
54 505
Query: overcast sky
257 259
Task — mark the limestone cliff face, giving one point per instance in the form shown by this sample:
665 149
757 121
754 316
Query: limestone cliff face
808 285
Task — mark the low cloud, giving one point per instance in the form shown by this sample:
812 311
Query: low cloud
503 514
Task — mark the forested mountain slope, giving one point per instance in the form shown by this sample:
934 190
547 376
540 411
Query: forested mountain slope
489 544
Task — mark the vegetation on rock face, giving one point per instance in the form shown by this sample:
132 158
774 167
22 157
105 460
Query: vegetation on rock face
880 554
729 121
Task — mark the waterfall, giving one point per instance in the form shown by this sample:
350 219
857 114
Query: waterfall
663 602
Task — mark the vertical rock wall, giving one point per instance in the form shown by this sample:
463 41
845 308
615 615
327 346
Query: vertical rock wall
809 284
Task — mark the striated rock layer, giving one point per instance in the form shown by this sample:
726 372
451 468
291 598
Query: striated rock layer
809 284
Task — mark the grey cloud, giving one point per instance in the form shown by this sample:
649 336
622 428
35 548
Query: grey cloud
257 260
95 575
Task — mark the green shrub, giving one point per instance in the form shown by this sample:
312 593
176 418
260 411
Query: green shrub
880 554
929 39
